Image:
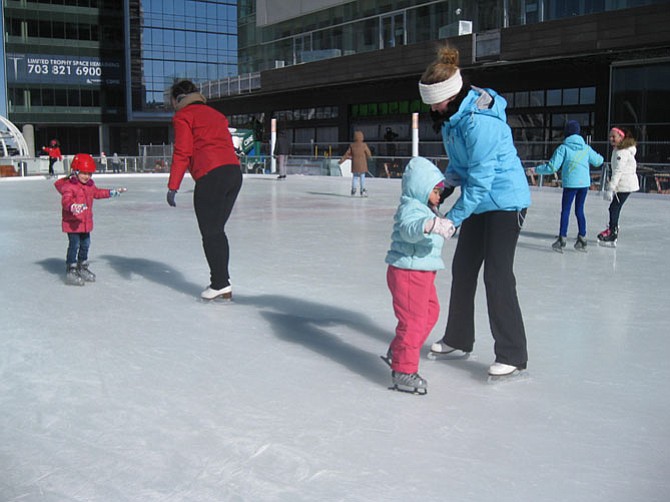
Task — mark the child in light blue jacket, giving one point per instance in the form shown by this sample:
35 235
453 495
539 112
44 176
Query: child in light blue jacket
573 156
414 259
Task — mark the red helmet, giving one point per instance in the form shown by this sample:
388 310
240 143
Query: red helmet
83 163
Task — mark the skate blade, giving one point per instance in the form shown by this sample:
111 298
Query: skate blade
515 376
386 360
607 244
220 300
409 390
456 355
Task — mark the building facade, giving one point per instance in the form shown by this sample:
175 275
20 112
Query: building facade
328 67
93 73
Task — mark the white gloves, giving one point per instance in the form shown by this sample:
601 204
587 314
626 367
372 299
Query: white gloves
608 195
441 226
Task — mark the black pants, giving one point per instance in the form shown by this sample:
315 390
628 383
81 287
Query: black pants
615 208
213 200
488 238
52 161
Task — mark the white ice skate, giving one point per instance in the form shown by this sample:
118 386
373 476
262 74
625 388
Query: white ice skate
499 372
218 294
440 350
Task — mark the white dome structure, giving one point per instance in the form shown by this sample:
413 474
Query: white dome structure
12 141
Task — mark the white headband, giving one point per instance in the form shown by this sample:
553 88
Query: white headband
436 93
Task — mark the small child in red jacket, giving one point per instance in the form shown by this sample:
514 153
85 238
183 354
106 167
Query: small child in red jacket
78 192
53 150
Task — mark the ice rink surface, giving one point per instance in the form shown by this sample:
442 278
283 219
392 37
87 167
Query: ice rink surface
131 389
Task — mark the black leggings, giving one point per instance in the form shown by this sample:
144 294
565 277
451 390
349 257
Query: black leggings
489 238
615 208
213 200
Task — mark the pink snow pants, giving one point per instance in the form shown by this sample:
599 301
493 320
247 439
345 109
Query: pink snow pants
417 308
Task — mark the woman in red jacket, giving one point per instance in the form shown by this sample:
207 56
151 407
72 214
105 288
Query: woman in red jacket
78 192
203 146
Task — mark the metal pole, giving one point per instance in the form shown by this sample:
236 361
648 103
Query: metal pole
415 134
273 141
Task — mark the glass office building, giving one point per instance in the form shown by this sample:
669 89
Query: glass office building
329 67
93 73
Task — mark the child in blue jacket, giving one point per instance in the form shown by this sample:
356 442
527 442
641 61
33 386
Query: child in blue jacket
414 259
573 156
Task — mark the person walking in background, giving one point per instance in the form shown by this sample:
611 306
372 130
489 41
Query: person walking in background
282 150
359 153
490 211
573 157
204 146
413 261
77 194
623 181
53 150
103 161
116 163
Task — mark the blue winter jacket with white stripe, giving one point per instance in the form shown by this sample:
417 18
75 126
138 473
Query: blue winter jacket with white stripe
482 158
573 156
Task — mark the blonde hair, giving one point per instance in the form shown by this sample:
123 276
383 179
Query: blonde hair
444 66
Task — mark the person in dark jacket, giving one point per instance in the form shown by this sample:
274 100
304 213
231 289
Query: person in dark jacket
282 150
204 146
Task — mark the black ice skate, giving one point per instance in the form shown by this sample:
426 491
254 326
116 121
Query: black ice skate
559 244
580 244
409 382
608 237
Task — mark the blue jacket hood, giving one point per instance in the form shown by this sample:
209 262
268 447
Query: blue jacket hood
419 179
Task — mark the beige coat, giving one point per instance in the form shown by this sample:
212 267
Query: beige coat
359 153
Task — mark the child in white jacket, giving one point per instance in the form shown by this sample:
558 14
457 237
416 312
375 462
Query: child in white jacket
623 181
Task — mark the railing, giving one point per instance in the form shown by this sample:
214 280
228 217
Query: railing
388 161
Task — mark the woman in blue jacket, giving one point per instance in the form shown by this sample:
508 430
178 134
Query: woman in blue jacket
573 156
490 210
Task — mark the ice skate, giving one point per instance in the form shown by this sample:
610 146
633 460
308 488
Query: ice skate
440 350
499 372
84 272
609 237
559 244
218 294
72 277
353 192
580 244
409 382
364 193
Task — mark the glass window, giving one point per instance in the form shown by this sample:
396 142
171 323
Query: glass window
587 96
521 99
537 98
570 96
553 97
